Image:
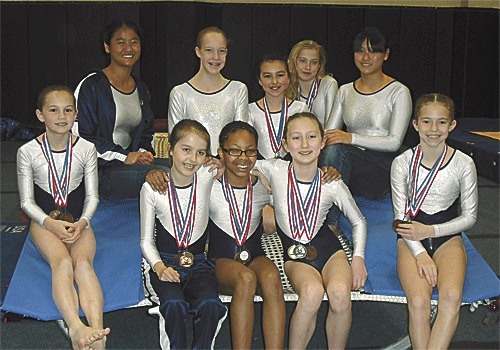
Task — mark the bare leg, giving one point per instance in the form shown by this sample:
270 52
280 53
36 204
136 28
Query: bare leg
273 307
89 289
418 293
268 219
64 293
243 283
337 277
308 284
451 262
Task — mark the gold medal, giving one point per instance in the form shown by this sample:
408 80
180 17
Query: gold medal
184 259
66 217
55 214
397 222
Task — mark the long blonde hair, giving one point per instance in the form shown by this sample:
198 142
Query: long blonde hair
292 63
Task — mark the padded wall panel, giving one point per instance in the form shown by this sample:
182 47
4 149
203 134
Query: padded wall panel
236 21
344 23
85 48
459 58
301 20
48 49
15 97
443 48
481 52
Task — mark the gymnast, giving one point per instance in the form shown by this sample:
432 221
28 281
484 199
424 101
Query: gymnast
57 179
309 81
114 113
434 195
209 97
173 237
235 227
376 110
314 259
269 114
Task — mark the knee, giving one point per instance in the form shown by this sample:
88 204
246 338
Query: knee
271 285
339 296
212 307
450 299
311 297
63 265
419 305
174 309
82 265
247 282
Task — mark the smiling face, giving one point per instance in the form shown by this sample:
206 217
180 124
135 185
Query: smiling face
303 141
367 61
433 124
124 48
274 78
188 154
308 64
237 168
58 112
212 53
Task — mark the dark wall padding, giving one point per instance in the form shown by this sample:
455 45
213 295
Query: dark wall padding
453 51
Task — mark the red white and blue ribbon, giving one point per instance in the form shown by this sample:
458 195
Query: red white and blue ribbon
313 92
240 219
58 183
418 193
303 212
183 223
276 136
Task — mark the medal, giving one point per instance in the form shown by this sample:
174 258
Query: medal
297 251
184 259
58 183
312 253
240 219
275 136
397 222
54 214
183 224
243 256
66 217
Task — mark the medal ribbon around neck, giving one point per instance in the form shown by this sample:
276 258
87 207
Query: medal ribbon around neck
418 193
274 136
303 213
58 184
240 219
183 224
313 92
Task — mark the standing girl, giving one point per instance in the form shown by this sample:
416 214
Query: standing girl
209 97
309 82
115 114
173 237
241 266
429 184
314 259
57 179
376 110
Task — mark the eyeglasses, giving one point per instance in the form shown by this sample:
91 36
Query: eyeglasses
236 152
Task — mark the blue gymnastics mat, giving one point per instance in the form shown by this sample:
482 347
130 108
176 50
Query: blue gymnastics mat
381 255
117 263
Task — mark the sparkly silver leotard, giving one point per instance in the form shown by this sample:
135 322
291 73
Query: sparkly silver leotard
455 179
322 106
213 110
33 172
335 192
258 120
377 121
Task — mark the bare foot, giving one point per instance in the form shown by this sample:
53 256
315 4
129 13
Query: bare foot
86 338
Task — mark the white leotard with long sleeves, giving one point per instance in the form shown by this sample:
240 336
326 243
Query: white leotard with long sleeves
377 121
322 106
457 178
